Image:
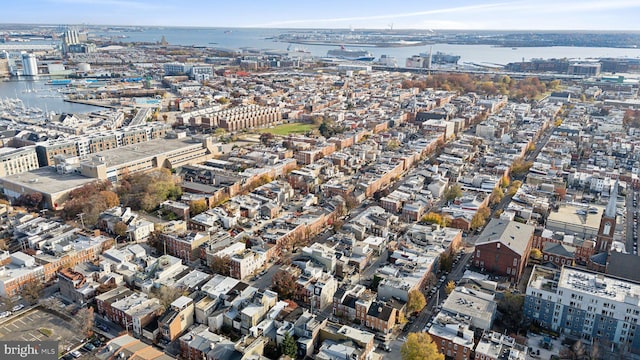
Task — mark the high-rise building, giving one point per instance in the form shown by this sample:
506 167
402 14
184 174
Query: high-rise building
29 65
585 305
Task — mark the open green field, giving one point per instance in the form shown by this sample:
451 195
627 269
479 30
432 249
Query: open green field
293 128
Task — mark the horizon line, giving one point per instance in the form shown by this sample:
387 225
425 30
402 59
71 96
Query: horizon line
319 28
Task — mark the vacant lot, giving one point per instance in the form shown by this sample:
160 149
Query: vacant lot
293 128
35 325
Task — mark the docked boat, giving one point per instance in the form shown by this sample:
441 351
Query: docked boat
350 54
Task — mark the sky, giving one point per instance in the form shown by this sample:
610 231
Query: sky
357 14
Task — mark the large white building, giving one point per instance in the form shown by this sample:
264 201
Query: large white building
29 65
586 305
16 161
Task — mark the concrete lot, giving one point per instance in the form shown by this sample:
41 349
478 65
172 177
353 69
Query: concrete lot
25 327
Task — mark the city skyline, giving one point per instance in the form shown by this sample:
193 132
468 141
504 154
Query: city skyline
457 14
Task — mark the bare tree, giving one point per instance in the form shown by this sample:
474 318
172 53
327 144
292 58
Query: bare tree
85 320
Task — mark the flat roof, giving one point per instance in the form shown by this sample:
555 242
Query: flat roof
143 150
568 214
47 180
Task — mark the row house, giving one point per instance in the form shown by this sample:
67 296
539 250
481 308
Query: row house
184 245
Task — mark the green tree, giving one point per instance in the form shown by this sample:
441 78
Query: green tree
416 301
289 346
452 192
450 286
511 308
197 207
420 346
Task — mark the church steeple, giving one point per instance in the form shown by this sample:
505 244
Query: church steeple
608 222
610 211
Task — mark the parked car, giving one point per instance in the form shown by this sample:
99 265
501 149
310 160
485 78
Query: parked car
76 353
18 307
89 347
4 314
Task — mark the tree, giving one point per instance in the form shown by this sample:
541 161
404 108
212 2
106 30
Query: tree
496 196
513 188
30 200
477 221
450 286
520 167
32 291
221 265
511 308
284 283
416 301
111 199
535 254
197 206
452 192
85 320
166 295
266 138
7 303
393 145
435 218
289 346
420 346
120 229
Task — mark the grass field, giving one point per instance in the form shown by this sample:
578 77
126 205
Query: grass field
293 128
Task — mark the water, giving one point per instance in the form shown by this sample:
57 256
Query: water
35 93
261 39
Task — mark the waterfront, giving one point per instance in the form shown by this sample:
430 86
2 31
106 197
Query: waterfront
262 39
36 93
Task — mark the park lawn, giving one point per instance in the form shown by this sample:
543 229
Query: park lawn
293 128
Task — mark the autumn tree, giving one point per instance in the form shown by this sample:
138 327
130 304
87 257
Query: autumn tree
32 291
450 286
30 200
420 346
221 265
535 254
435 218
7 303
284 283
416 301
477 221
166 295
520 167
85 319
452 192
110 198
197 207
513 188
496 196
120 229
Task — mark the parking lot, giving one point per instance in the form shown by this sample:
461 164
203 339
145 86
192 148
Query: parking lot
26 327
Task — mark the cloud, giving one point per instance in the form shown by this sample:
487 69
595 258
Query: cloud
459 9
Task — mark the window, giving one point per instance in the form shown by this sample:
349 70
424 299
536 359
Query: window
515 262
